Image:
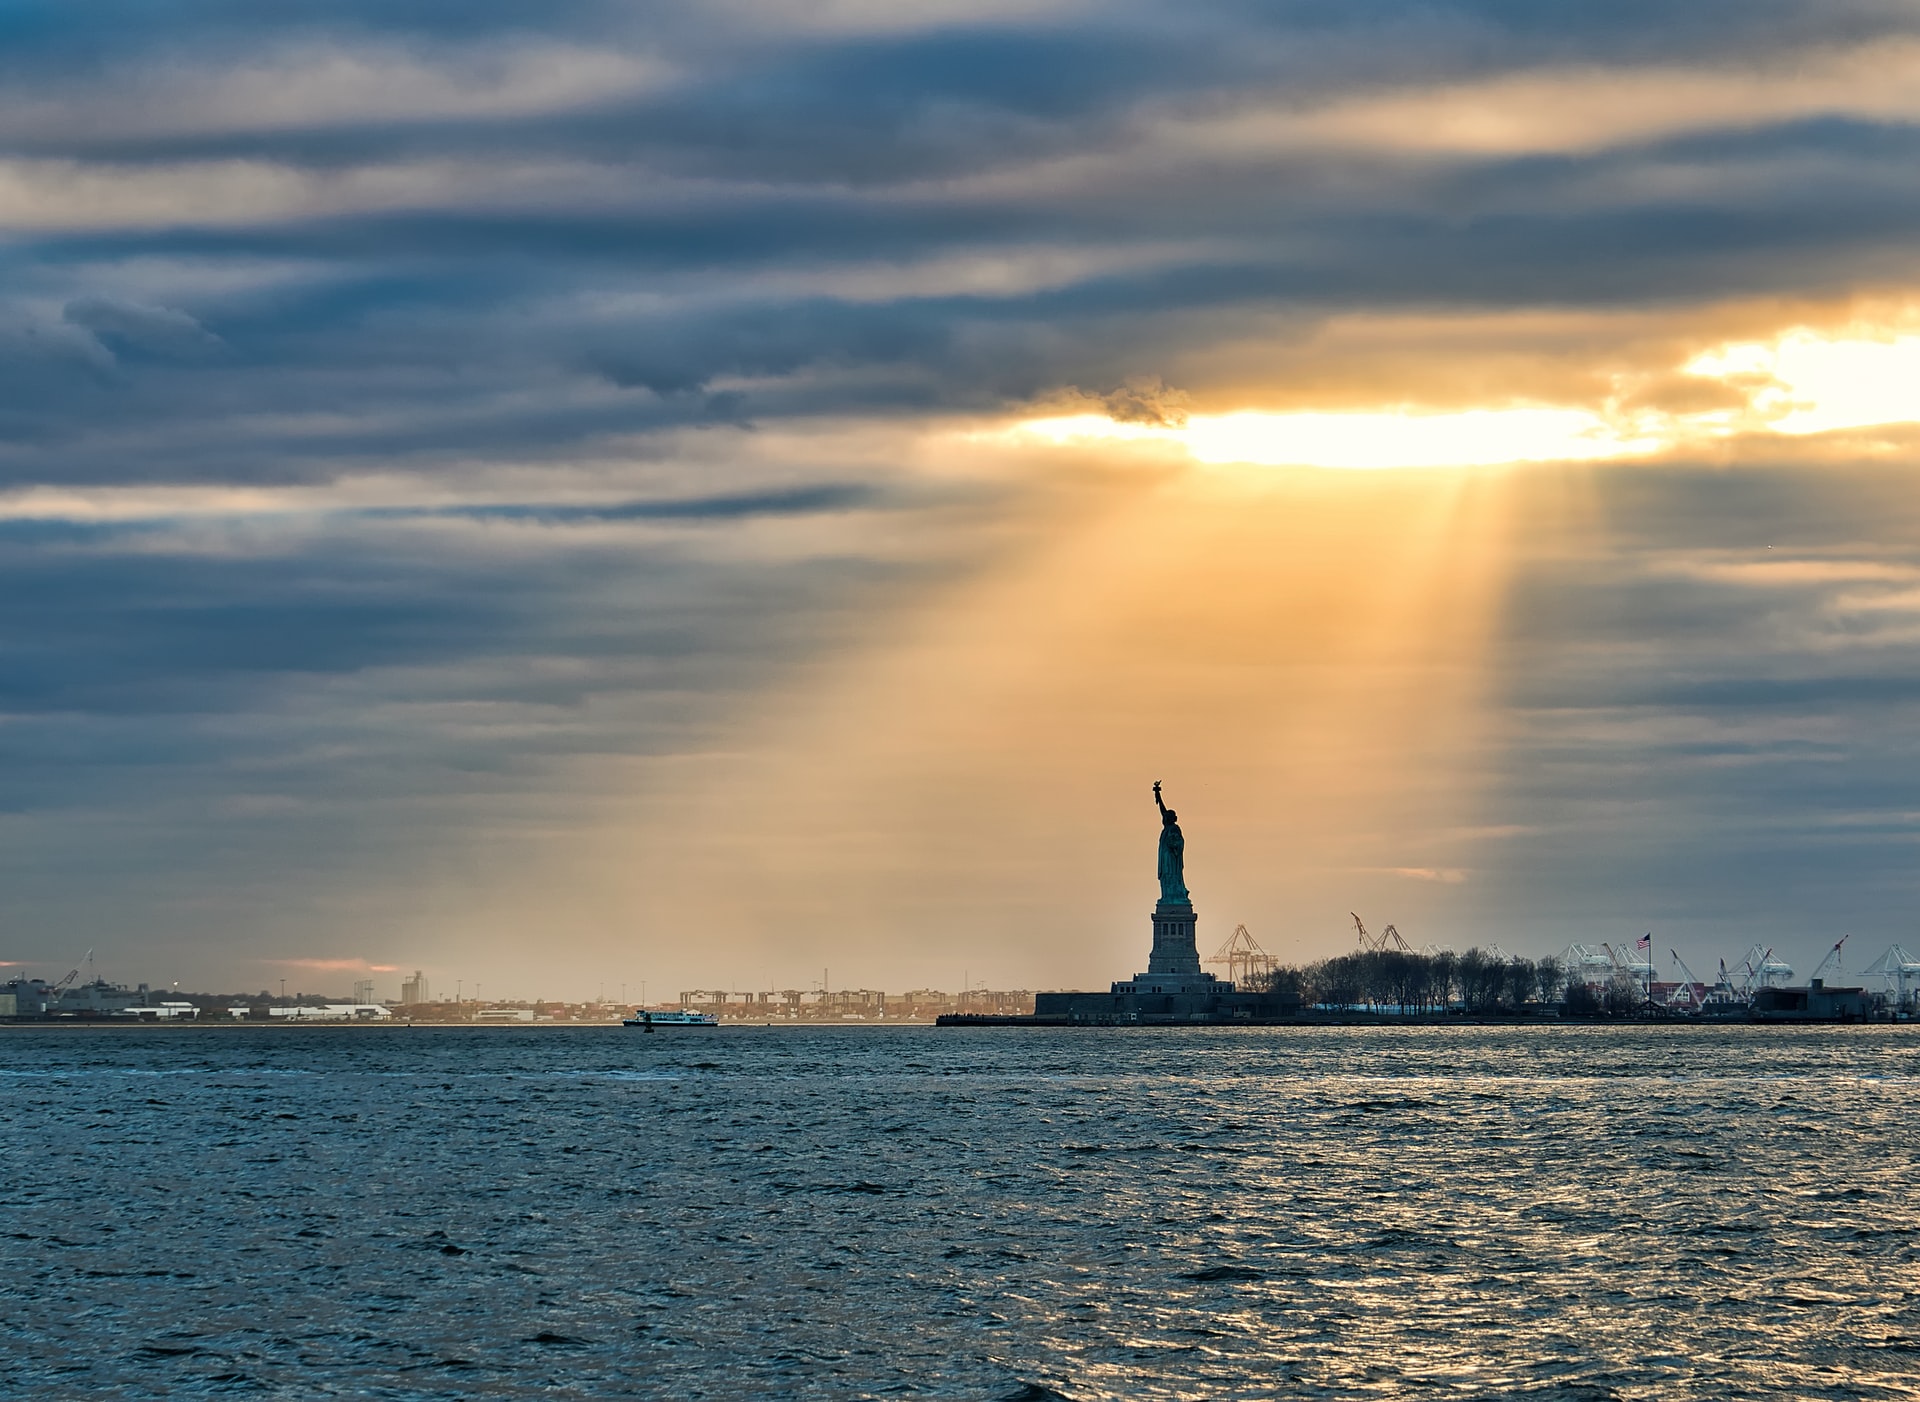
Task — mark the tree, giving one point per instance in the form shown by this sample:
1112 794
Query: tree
1549 977
1336 981
1481 980
1579 1000
1285 980
1522 979
1624 994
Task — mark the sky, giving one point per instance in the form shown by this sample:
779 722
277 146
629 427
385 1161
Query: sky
746 494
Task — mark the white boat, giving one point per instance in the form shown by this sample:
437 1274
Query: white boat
677 1018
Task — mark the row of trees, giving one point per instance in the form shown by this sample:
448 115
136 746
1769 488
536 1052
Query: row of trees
1397 980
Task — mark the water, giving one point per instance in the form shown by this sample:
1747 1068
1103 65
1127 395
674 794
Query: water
977 1213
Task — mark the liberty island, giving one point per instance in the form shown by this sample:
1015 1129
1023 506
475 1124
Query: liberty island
1173 989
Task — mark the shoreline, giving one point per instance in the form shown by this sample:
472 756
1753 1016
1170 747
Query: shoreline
956 1021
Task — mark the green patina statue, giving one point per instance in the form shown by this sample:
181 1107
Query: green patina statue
1173 854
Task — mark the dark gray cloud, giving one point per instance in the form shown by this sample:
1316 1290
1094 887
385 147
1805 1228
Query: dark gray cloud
1712 721
670 247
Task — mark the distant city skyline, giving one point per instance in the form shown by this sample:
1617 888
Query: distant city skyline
417 987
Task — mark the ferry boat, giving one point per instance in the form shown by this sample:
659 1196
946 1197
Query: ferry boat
679 1017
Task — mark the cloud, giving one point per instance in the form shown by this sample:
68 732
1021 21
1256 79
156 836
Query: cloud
1590 107
333 965
130 328
293 86
1147 400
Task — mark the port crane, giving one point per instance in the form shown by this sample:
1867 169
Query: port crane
1901 970
1631 963
1833 958
1586 965
73 974
1243 956
1759 970
1690 990
1388 938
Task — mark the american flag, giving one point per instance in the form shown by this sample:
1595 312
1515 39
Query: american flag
1645 941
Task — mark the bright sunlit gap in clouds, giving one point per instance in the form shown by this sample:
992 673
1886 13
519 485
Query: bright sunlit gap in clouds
1364 440
1801 383
1806 383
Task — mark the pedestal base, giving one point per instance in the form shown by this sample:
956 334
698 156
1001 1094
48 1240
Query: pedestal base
1175 953
1201 985
1173 968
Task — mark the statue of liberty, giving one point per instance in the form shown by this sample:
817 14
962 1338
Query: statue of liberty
1173 854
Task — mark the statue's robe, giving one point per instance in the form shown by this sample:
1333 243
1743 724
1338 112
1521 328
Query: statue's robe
1173 864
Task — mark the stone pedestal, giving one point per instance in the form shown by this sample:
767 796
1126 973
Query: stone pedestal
1175 951
1173 968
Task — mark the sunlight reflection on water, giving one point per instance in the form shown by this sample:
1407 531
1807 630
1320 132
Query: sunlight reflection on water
1601 1212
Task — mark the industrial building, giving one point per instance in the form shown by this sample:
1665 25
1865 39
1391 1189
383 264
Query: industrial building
1814 1003
325 1012
94 1000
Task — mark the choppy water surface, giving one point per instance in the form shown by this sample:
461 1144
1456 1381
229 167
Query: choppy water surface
1463 1212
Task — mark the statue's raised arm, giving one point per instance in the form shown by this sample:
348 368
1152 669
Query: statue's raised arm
1156 798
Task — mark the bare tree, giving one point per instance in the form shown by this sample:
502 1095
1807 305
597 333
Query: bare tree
1549 979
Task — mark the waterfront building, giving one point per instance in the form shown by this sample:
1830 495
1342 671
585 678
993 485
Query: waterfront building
1814 1003
24 997
164 1012
329 1012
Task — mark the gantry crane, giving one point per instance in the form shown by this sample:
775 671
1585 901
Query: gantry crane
1760 969
1901 972
1388 938
1243 956
1589 966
